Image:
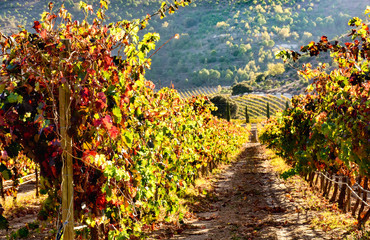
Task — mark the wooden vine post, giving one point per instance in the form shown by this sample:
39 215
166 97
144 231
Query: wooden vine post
2 188
37 181
348 196
364 198
334 196
322 183
342 194
311 177
317 182
67 170
359 191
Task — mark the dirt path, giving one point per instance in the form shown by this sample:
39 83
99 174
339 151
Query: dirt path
25 211
250 202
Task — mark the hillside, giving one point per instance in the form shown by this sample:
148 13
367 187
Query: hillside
221 42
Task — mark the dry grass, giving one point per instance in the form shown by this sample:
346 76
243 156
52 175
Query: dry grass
24 204
327 217
277 163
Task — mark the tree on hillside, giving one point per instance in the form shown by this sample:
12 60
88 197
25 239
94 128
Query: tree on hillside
286 105
268 110
241 88
228 117
261 77
246 114
221 102
275 69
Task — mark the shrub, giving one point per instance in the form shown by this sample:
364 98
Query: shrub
190 22
241 88
221 102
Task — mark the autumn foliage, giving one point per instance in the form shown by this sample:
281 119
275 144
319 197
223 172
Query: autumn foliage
328 128
135 150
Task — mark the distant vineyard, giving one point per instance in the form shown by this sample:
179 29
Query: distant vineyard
257 104
207 91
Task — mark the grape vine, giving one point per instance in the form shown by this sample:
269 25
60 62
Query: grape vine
135 150
328 129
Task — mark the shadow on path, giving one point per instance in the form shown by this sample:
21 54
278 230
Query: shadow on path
250 203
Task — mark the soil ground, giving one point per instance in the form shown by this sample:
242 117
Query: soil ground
24 212
250 201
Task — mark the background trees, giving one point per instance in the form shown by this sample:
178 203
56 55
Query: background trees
241 88
221 102
247 27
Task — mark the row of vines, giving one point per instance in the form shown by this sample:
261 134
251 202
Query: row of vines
135 150
328 129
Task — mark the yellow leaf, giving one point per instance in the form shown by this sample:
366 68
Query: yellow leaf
367 10
103 3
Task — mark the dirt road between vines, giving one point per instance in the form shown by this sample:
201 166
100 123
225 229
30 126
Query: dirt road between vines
250 201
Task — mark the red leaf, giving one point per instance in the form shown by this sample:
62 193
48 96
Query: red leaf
37 26
108 61
91 71
115 77
54 171
43 34
51 5
97 122
101 103
51 17
324 39
101 201
84 96
113 132
107 122
87 154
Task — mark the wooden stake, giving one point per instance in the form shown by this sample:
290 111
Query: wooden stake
37 181
322 183
363 220
359 191
342 195
67 170
317 178
2 188
364 198
312 175
328 186
348 197
334 196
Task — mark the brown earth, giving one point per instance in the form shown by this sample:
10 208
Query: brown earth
250 201
24 212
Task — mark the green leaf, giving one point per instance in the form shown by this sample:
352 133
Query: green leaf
7 174
368 103
117 114
340 101
2 87
129 138
14 97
